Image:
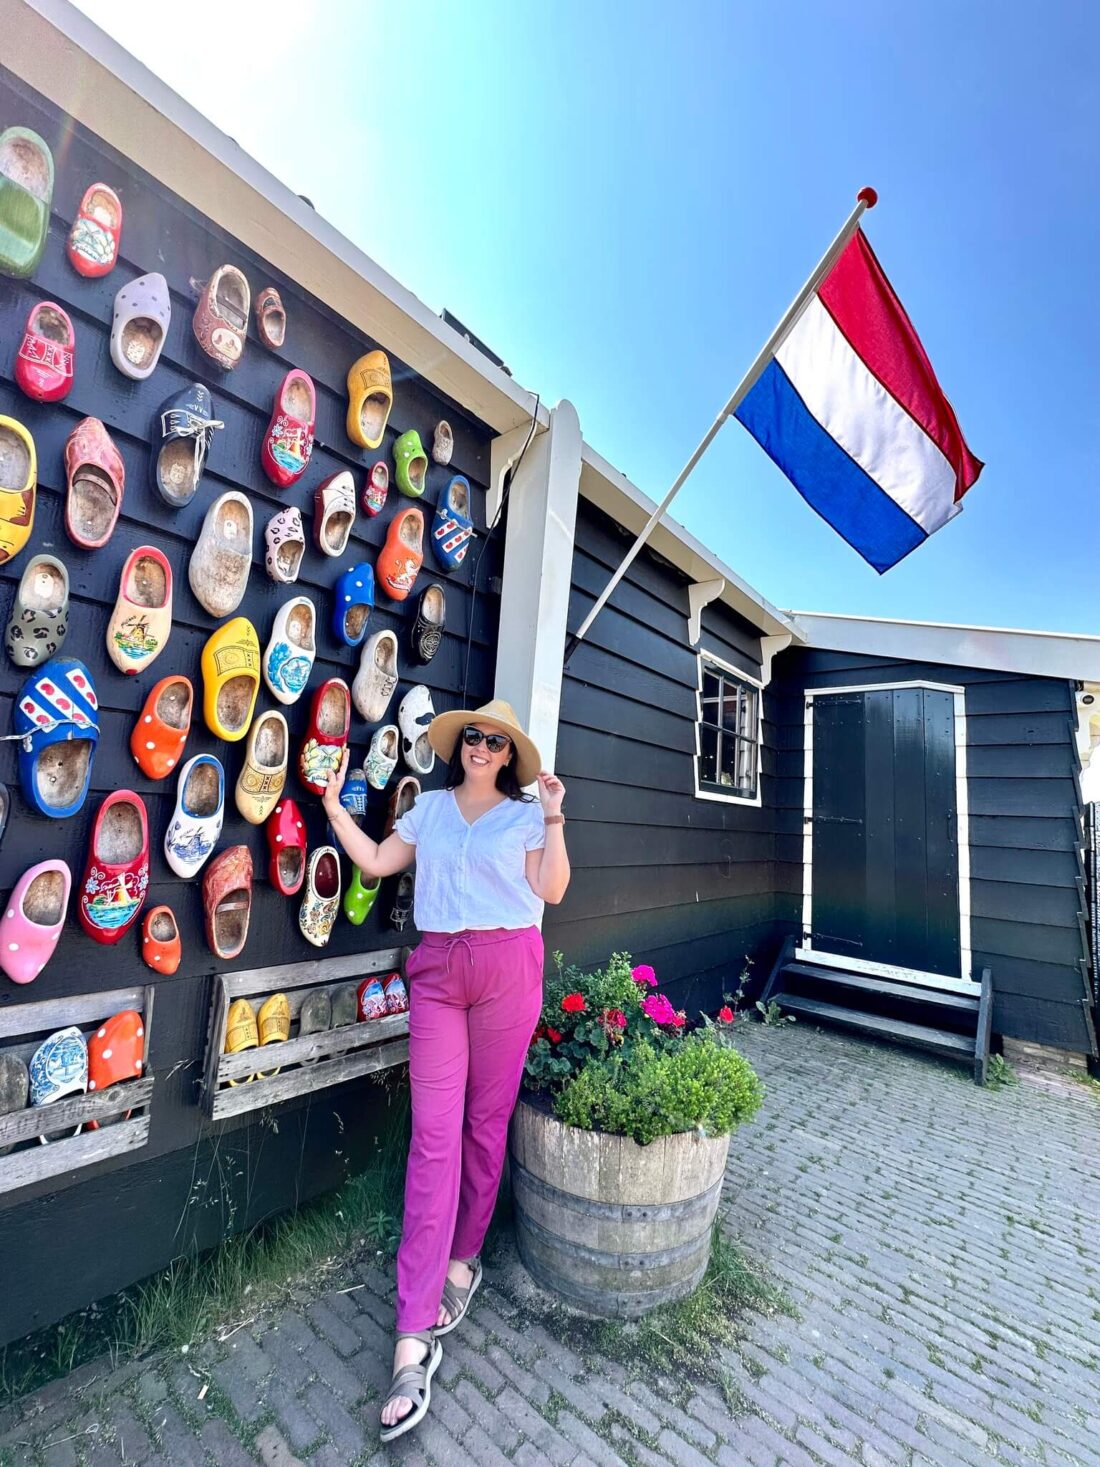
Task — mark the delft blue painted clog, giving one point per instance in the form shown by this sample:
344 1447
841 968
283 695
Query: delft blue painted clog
352 605
452 527
59 1067
57 714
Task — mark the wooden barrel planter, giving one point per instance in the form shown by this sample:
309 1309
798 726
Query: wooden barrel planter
613 1228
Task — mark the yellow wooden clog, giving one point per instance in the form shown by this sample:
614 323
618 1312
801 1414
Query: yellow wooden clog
241 1032
18 478
231 678
370 397
274 1020
263 773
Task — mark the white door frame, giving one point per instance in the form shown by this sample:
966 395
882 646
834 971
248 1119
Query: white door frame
962 983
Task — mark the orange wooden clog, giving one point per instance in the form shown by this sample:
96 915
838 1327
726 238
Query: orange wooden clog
162 727
161 948
401 557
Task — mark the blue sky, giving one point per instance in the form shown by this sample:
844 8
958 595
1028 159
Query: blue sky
621 201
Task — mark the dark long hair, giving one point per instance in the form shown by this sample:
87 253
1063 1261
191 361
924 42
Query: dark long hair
507 780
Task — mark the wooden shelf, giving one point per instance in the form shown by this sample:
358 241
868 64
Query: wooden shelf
22 1029
236 1083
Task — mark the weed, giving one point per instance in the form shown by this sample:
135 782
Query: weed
999 1072
771 1014
1087 1082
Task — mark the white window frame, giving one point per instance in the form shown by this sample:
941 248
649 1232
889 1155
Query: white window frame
962 983
739 674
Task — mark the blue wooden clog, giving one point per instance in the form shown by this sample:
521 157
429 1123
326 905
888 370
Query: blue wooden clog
353 599
452 527
57 715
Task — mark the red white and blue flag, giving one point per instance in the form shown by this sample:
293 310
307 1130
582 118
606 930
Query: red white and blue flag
851 411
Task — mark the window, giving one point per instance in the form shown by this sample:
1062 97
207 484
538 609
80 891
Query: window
729 736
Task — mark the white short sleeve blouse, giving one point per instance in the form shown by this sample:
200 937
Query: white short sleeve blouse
472 877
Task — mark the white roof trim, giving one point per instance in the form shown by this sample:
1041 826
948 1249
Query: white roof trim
1038 654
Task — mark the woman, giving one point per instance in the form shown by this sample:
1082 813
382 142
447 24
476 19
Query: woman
487 858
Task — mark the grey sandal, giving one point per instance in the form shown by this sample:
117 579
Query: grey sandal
456 1301
413 1382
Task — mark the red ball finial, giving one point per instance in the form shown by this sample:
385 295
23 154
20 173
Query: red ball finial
867 196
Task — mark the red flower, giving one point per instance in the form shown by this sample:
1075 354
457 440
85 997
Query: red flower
573 1003
726 1015
616 1017
553 1035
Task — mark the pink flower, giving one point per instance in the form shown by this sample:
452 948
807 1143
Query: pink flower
660 1010
643 973
725 1015
573 1003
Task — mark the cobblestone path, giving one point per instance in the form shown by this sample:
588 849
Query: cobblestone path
941 1245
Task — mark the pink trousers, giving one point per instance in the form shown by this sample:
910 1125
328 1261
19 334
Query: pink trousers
474 1001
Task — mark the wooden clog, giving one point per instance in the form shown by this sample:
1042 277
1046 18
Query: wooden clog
160 733
321 902
161 948
410 464
196 823
95 484
443 443
426 632
288 442
402 555
40 612
26 194
377 488
227 901
291 648
220 322
231 678
376 679
270 318
34 915
327 734
452 527
116 877
285 538
333 513
18 481
182 435
97 230
139 328
142 619
370 397
44 362
222 558
56 715
263 773
286 844
352 603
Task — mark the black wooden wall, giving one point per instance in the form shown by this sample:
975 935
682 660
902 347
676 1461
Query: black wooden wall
56 1226
682 883
1027 892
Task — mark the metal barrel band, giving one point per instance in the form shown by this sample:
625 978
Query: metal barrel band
658 1259
617 1211
627 1303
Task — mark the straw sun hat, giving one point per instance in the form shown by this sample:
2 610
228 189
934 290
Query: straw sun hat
445 730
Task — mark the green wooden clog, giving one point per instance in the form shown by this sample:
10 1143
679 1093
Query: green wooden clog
359 898
26 192
410 464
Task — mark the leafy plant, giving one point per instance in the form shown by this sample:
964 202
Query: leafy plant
999 1072
612 1054
771 1013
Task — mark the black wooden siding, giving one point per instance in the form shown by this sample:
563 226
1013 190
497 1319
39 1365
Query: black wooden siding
1027 896
682 883
162 232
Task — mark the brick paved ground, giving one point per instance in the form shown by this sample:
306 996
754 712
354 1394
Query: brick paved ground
942 1245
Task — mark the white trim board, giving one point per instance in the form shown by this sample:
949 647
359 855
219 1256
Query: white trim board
962 821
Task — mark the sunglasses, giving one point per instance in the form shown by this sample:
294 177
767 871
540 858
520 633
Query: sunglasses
496 743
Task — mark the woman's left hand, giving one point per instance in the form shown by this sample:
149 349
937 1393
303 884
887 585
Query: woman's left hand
551 792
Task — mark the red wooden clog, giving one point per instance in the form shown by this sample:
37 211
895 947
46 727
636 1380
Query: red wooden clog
44 362
288 441
97 228
327 735
116 877
227 900
286 840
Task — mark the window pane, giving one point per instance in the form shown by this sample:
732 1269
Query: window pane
708 755
730 703
728 761
746 765
747 722
712 685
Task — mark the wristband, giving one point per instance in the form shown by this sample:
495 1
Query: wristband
553 820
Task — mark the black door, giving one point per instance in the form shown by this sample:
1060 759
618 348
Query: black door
885 879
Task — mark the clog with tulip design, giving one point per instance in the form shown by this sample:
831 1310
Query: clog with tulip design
44 362
161 948
321 902
116 877
263 773
97 229
196 823
327 736
288 442
286 844
377 488
161 730
402 555
18 483
370 397
231 678
33 919
142 618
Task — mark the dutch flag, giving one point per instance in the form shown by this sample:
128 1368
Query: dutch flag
850 409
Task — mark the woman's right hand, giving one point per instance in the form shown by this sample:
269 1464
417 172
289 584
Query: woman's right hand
331 797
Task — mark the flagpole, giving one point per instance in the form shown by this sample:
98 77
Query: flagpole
867 198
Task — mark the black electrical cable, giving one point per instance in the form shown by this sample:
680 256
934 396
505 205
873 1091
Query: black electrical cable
510 474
